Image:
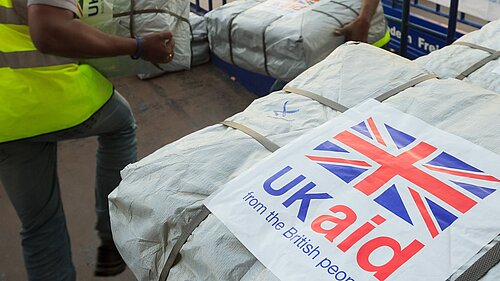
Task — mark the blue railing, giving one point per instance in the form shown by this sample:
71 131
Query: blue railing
197 8
423 35
437 11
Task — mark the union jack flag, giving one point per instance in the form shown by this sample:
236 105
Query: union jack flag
382 162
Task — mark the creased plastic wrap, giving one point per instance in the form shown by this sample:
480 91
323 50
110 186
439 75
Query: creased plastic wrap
200 52
162 193
149 17
282 42
452 60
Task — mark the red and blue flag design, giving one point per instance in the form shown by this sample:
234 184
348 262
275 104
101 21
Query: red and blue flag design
370 155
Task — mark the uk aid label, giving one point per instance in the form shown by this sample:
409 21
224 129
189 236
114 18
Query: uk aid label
374 194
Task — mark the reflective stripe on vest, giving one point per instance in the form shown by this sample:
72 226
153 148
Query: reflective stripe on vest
384 40
9 16
42 93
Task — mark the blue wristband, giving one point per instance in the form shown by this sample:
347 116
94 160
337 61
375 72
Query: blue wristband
138 50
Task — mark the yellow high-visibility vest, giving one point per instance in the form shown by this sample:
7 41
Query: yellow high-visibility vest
384 40
41 93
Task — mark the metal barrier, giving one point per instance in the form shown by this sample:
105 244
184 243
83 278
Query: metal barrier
203 6
438 11
423 35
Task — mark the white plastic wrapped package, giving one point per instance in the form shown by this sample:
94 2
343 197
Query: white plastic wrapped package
452 60
163 192
148 17
200 52
485 9
282 38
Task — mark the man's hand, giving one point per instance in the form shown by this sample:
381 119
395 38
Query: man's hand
355 31
158 47
358 29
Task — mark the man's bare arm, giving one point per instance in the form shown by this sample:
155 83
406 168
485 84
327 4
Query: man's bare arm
56 31
357 30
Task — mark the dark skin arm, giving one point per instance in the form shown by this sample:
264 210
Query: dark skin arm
56 31
357 30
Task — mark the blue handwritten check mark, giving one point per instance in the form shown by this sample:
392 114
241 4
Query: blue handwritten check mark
285 111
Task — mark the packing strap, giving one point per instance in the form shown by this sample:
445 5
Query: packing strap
475 46
188 228
264 46
325 101
230 36
478 65
150 11
133 12
405 86
479 268
338 107
493 56
269 145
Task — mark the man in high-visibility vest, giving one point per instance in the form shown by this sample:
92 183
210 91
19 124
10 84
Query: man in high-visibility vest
45 97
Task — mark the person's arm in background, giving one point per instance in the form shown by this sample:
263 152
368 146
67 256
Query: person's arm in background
56 31
357 30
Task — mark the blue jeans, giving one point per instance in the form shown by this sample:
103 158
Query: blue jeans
28 171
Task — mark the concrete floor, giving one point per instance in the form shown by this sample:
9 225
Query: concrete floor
166 109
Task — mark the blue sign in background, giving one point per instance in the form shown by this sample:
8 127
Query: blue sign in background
428 37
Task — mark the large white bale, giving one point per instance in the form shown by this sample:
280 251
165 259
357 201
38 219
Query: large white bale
148 17
282 38
200 52
452 60
160 194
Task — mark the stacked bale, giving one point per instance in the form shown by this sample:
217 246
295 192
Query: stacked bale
161 194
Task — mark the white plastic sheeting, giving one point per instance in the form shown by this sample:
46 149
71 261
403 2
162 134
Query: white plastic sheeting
452 60
200 52
161 193
282 38
149 17
199 42
485 9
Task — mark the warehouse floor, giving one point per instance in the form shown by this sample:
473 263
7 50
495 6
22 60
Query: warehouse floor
166 109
